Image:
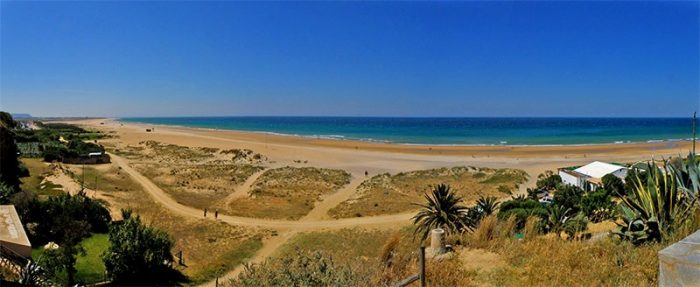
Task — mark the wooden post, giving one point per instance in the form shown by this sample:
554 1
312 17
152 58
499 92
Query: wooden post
422 265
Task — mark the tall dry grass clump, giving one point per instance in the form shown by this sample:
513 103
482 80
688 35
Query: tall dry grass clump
508 227
532 227
389 249
485 233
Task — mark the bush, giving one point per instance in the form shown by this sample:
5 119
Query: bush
521 208
614 185
304 269
569 197
47 217
548 180
139 254
598 205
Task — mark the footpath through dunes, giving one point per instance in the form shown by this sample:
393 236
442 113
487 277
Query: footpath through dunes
301 225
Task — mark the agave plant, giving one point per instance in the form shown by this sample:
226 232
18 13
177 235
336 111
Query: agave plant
636 229
655 205
689 175
442 210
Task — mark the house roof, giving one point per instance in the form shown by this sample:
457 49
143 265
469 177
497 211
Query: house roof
11 229
598 169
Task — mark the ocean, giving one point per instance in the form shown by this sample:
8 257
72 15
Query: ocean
450 131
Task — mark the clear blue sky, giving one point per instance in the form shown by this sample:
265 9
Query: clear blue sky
353 59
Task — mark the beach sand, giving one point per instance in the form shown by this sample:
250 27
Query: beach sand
358 157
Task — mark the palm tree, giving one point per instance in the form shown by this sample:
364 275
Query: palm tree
442 210
486 205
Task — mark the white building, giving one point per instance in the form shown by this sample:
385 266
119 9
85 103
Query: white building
589 177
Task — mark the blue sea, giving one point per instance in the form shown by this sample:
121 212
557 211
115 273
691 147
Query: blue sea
451 131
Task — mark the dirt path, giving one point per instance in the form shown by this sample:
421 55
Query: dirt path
320 210
244 189
312 221
168 202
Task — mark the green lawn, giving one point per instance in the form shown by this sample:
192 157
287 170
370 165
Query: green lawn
90 267
37 170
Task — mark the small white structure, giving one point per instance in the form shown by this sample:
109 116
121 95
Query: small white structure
12 235
589 177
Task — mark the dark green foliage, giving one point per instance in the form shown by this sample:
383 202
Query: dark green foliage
48 220
7 120
548 180
484 207
23 170
569 197
575 225
598 205
614 185
6 193
52 149
9 165
522 208
557 216
139 254
657 204
442 210
64 258
637 229
631 177
303 269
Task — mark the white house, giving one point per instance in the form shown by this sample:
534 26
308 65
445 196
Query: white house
590 176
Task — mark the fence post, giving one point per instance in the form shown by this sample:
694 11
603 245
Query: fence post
422 265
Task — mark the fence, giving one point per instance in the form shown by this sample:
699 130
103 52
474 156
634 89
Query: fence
421 273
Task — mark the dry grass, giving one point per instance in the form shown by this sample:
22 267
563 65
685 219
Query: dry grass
288 192
386 193
366 253
199 185
38 170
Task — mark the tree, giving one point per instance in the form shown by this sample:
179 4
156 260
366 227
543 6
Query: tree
442 210
9 166
598 205
613 185
569 196
64 258
548 180
138 254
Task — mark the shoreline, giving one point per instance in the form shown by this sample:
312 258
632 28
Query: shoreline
388 142
289 146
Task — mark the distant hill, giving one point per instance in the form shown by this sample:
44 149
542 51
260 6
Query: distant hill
21 116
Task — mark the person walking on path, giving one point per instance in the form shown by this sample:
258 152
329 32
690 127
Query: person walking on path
216 214
205 212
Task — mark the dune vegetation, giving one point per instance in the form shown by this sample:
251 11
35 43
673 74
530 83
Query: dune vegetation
387 193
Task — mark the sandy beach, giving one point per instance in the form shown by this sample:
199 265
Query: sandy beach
357 156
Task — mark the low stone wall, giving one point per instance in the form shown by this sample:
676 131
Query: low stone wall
679 264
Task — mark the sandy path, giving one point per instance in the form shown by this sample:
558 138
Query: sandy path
244 189
320 210
168 202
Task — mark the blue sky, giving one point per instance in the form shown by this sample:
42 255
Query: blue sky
351 59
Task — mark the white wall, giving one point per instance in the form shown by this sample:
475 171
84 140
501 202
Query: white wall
568 179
